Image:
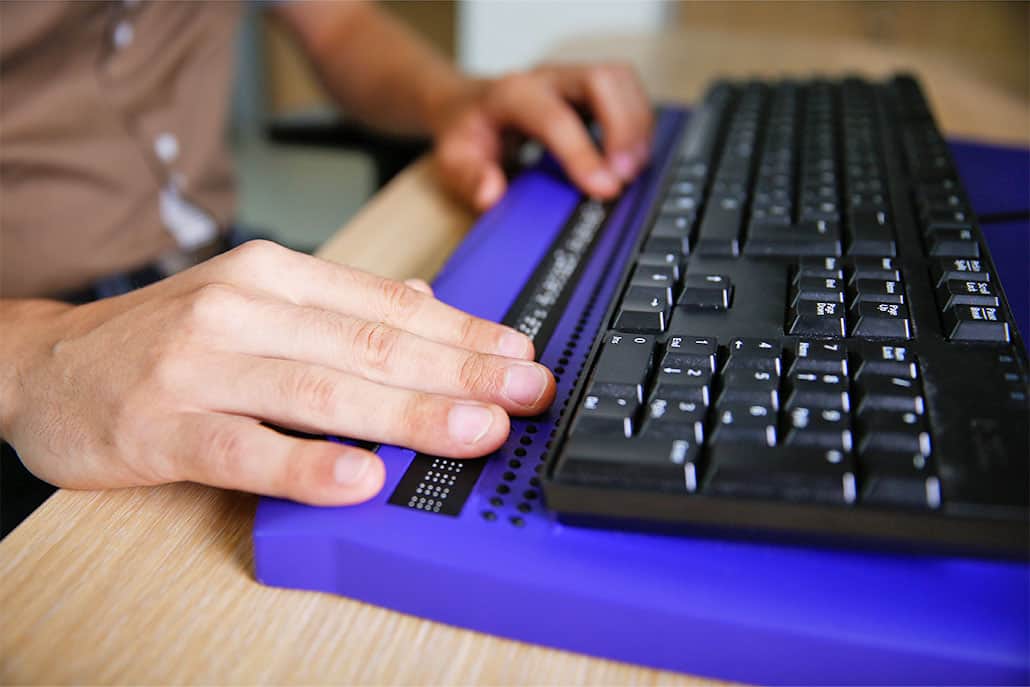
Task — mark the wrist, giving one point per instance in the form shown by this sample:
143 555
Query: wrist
26 327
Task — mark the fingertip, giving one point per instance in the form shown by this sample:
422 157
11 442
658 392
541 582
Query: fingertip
490 188
357 475
624 164
476 429
602 183
515 344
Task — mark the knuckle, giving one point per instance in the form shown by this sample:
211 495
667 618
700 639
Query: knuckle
314 389
417 417
255 252
375 343
226 448
208 305
477 375
399 300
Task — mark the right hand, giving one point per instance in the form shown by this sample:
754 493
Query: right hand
173 382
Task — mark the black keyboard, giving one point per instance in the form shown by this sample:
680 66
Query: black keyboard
810 340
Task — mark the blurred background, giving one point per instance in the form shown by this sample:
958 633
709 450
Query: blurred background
305 169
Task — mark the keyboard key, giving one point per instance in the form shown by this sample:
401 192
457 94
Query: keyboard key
893 432
817 318
819 267
706 292
960 268
669 261
693 351
976 323
897 394
820 289
754 354
953 243
889 361
672 373
607 415
820 356
625 359
817 237
819 427
800 474
880 320
638 463
874 268
899 480
879 291
955 292
643 321
742 422
870 233
750 387
719 234
673 413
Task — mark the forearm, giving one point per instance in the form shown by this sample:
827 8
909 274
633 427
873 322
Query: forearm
382 72
24 327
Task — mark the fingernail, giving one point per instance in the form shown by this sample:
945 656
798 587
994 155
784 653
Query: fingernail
350 468
469 422
525 384
603 181
624 164
514 345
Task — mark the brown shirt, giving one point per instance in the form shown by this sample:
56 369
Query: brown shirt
112 117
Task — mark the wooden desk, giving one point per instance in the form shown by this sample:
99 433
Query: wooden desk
156 585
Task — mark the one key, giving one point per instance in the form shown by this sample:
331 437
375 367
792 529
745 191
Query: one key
875 268
892 432
606 415
673 413
655 277
672 373
623 364
965 269
640 463
669 261
823 390
706 292
896 394
879 291
719 234
953 243
976 323
817 318
820 356
750 387
889 360
871 233
800 474
955 292
819 427
754 354
643 309
819 267
693 351
820 289
741 422
880 320
899 480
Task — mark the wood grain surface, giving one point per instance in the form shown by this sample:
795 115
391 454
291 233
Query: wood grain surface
156 585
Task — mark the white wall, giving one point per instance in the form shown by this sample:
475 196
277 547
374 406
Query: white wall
499 35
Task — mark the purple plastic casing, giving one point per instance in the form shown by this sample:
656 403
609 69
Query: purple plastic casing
738 610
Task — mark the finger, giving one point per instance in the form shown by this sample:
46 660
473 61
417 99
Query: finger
471 169
420 285
387 355
325 401
310 281
613 99
238 453
533 105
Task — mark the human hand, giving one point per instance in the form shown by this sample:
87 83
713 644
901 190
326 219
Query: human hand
172 382
540 103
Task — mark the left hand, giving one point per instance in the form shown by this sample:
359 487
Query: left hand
541 103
